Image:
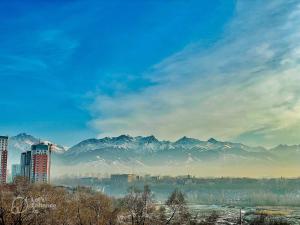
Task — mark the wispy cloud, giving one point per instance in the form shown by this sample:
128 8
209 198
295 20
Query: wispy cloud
42 52
16 63
55 46
247 83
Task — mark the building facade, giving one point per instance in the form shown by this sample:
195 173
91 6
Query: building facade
3 158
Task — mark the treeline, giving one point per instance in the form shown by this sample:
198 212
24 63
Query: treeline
25 204
222 191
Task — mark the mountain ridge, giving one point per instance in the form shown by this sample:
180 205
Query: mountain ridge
125 153
125 138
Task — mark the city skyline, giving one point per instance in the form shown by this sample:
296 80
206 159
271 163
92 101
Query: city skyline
222 69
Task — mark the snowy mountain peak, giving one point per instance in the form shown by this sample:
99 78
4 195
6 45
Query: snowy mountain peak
186 140
213 141
123 138
23 141
20 135
149 139
25 137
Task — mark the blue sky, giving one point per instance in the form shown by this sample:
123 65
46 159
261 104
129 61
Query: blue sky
77 69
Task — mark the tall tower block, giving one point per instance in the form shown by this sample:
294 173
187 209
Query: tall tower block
40 163
3 158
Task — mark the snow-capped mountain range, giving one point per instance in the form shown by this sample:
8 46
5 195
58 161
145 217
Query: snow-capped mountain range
142 154
151 146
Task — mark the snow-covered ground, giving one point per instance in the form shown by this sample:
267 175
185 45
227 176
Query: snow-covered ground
231 215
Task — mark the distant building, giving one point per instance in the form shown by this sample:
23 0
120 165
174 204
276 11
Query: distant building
155 178
3 158
36 163
15 171
123 178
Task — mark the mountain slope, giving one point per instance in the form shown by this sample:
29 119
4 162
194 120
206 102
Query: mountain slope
21 143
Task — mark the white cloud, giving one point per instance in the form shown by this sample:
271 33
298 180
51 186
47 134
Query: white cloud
246 82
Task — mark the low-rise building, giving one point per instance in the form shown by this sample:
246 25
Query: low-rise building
123 178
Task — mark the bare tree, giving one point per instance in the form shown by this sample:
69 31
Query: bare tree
177 204
139 205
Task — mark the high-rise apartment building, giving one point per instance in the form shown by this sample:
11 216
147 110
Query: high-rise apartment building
35 164
15 171
22 163
26 164
40 163
3 158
